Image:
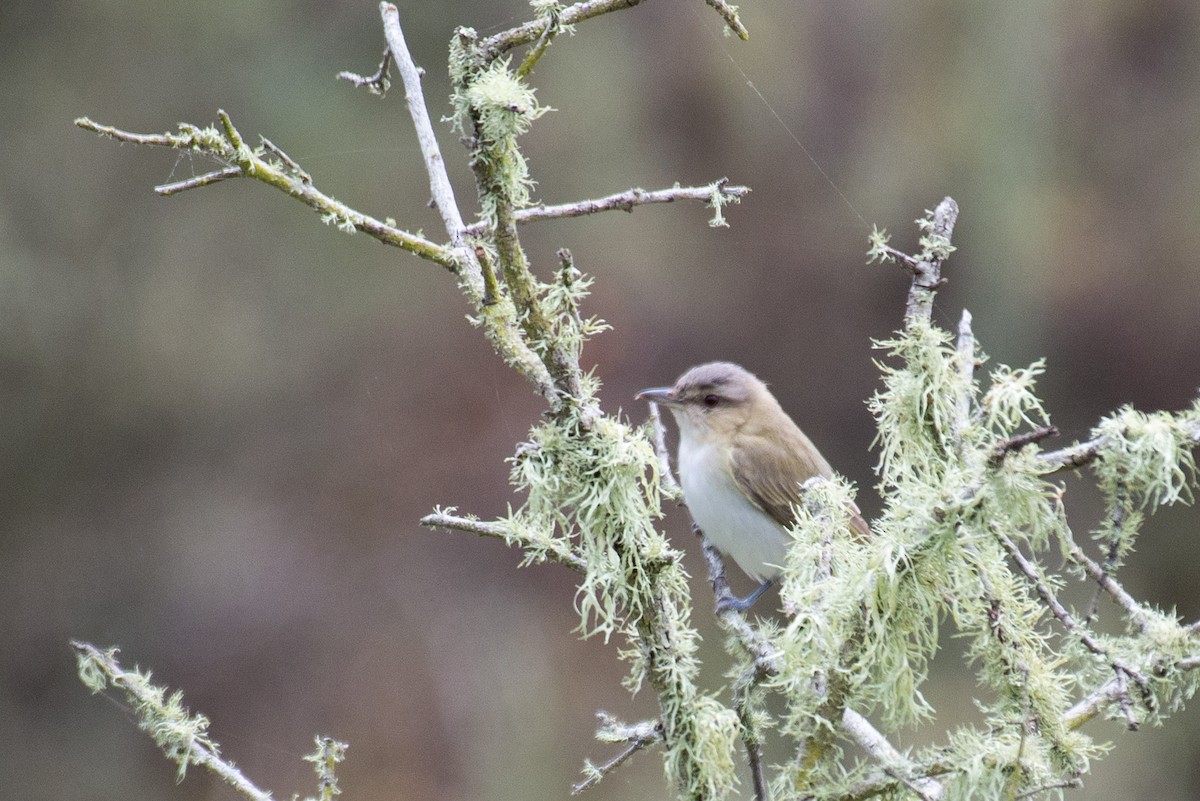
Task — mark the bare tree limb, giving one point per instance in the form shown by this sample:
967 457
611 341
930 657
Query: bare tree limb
531 31
622 201
504 337
435 166
207 179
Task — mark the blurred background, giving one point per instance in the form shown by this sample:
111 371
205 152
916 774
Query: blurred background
223 419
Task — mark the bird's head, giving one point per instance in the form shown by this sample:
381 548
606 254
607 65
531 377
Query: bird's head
714 400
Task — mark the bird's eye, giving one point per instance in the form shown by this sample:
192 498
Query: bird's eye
712 400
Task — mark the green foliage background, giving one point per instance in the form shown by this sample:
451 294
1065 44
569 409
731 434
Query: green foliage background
222 419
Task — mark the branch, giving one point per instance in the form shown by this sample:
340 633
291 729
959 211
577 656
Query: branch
228 148
638 735
622 201
1068 622
1137 615
533 30
927 271
551 548
965 351
1070 457
471 269
1015 443
184 737
860 730
207 179
377 84
666 474
730 15
439 182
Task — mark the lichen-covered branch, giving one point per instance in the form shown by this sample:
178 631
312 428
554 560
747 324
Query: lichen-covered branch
227 147
182 736
537 548
637 737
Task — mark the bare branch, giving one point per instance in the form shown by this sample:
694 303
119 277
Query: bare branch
508 343
207 179
439 182
531 31
377 84
553 549
1013 444
622 201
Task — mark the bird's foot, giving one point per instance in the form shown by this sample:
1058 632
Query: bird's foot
728 600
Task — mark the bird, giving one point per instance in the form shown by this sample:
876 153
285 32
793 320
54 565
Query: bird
742 461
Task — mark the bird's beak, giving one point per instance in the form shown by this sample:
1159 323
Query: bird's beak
662 395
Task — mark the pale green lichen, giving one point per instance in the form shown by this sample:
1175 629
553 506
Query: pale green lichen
495 107
325 760
174 729
867 612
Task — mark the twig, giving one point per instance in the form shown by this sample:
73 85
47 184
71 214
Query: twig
1070 457
230 149
439 182
1137 614
1058 785
553 549
377 84
965 351
730 15
622 201
666 474
531 31
860 730
183 736
1071 625
927 273
1015 443
207 179
1089 707
286 159
639 736
539 48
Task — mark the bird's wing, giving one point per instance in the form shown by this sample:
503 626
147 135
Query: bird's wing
771 478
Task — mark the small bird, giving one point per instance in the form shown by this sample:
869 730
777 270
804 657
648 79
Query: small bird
741 463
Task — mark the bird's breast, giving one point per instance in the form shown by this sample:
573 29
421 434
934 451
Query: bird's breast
728 519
